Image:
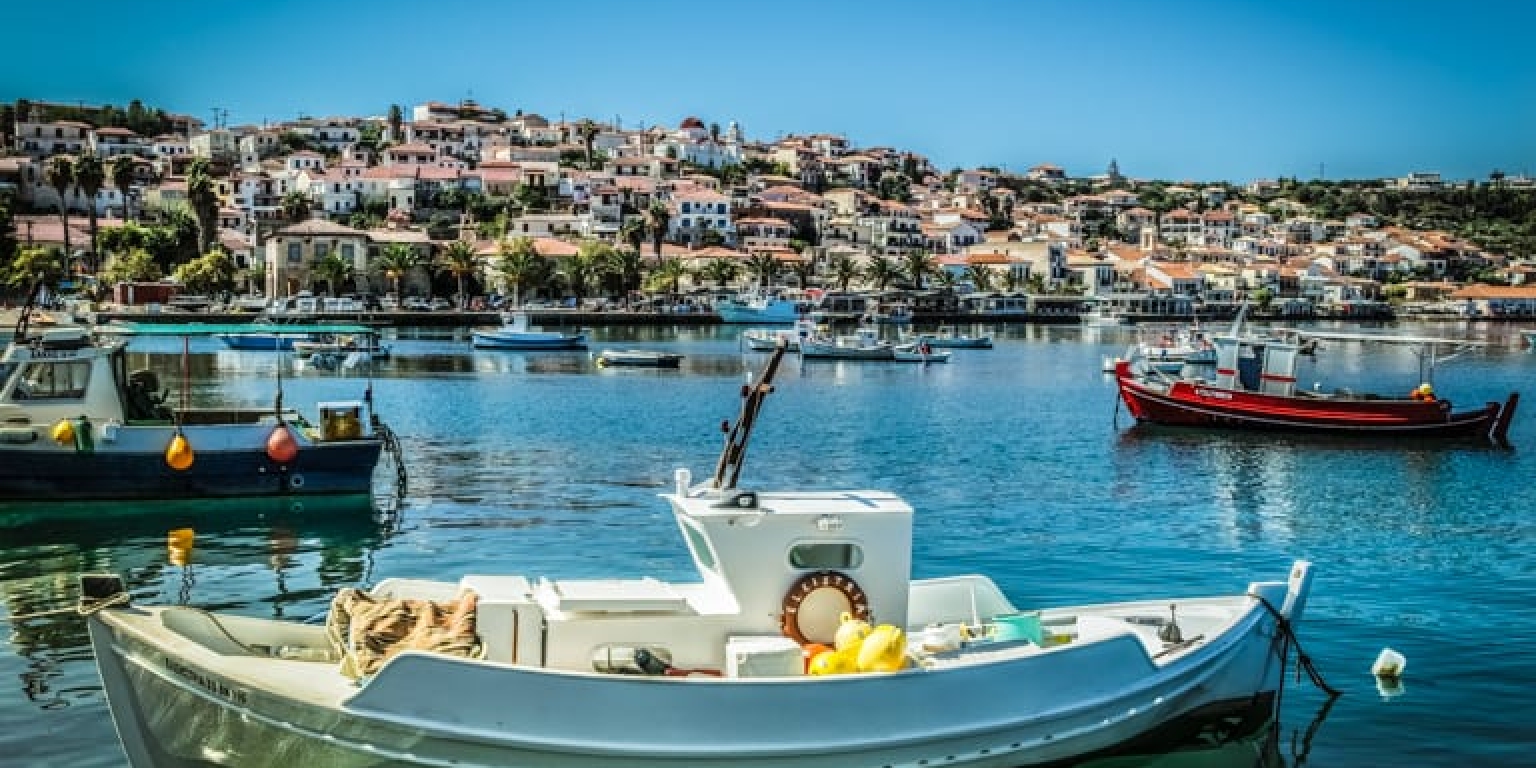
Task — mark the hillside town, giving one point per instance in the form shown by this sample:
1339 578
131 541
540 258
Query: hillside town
468 204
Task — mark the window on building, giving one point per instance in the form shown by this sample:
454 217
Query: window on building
295 253
321 250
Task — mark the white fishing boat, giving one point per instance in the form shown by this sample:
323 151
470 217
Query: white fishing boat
948 336
81 422
767 659
919 352
518 332
766 339
863 344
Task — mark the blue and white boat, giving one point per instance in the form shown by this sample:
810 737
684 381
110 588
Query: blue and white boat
518 332
254 340
759 309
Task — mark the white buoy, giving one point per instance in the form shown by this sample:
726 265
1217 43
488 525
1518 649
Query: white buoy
1389 664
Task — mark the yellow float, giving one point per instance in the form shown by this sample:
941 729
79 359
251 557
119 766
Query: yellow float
178 455
884 649
64 432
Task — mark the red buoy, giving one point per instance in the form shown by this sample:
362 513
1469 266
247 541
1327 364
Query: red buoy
281 447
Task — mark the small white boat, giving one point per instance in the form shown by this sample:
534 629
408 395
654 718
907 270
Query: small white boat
639 358
948 336
919 352
862 344
518 332
767 659
766 339
1169 347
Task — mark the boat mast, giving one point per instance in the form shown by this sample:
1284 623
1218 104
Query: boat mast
728 468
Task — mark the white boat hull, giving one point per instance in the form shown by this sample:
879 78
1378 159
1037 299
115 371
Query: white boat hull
179 702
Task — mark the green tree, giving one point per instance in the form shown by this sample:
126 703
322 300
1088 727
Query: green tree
657 217
625 266
90 176
721 271
917 265
333 269
633 233
804 269
881 271
519 263
60 174
979 276
590 259
668 276
122 178
764 266
38 263
587 131
460 259
844 270
204 202
212 272
396 121
136 266
395 262
295 205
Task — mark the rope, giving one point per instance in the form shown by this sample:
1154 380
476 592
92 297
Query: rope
1303 661
83 608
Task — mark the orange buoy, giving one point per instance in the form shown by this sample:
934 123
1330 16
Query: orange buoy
813 650
281 447
178 546
178 455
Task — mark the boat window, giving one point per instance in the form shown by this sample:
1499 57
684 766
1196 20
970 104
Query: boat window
698 543
826 555
622 659
53 381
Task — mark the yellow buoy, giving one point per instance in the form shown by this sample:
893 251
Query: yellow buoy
850 632
64 432
178 546
178 455
883 650
833 663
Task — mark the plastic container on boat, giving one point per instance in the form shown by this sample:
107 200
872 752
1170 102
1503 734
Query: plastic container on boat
1018 626
763 657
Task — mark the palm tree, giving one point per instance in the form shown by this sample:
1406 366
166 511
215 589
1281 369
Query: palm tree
204 202
721 271
396 117
395 261
668 274
90 176
333 269
519 263
625 265
765 266
633 232
804 269
881 271
657 217
587 130
590 259
295 206
122 178
979 276
60 175
917 265
844 269
460 259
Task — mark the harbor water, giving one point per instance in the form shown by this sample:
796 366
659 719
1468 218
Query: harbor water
1018 460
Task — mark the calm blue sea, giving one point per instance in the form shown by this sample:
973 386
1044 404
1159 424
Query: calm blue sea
1017 459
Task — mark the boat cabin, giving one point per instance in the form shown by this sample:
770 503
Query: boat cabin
775 569
1257 364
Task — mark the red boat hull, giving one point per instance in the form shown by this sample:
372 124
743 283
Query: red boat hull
1201 404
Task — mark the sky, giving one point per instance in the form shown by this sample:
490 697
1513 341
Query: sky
1180 90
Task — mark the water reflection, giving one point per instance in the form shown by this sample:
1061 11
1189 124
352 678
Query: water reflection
286 555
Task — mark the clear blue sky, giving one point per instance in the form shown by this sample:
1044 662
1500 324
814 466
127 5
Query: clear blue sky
1172 89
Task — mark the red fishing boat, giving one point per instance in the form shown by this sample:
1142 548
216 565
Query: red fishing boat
1254 388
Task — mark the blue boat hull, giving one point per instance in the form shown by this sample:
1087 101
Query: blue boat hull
330 468
256 341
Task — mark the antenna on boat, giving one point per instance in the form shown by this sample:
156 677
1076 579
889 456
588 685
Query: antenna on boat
728 468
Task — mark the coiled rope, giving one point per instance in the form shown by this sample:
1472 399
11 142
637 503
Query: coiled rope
85 607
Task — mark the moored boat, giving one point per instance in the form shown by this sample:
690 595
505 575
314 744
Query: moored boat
1254 388
639 358
766 339
79 425
863 344
759 308
643 672
518 332
919 352
948 336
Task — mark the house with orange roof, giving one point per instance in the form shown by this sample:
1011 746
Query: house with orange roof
1498 300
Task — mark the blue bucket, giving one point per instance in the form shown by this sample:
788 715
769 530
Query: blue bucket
1018 626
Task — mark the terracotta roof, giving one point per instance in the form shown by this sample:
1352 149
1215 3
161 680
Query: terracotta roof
319 227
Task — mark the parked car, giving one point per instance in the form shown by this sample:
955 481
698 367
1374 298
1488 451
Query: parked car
416 304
